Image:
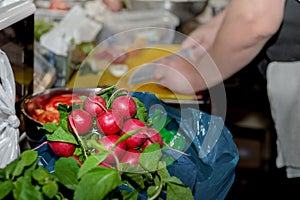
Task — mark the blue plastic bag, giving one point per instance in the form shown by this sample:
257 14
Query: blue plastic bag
209 166
209 170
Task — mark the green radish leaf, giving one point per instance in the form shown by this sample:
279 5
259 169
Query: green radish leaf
19 168
50 189
9 169
92 162
49 127
61 135
135 175
25 190
5 188
97 183
29 157
141 110
2 173
150 157
41 175
130 195
26 159
152 191
64 125
66 169
64 111
30 169
177 190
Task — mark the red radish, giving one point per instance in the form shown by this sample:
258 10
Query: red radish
137 139
131 157
110 122
77 159
146 143
103 164
94 105
109 142
125 105
62 149
154 136
80 120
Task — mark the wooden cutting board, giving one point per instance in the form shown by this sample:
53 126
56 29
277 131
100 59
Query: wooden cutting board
148 54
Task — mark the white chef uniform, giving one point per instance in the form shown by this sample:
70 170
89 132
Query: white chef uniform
283 84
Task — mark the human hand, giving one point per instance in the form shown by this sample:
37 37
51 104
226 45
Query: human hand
113 5
179 74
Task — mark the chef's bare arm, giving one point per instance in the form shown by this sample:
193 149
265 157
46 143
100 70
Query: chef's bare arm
241 32
246 28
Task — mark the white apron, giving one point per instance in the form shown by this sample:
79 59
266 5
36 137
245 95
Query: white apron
283 84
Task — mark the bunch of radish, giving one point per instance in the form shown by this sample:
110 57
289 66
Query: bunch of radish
114 120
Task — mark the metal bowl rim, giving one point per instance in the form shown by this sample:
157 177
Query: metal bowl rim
50 91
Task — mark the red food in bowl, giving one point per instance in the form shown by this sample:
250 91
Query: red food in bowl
40 108
48 111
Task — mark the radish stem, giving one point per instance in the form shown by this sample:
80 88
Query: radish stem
117 160
116 92
159 189
105 89
78 137
168 146
39 146
99 104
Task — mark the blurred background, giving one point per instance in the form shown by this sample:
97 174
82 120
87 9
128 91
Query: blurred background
48 41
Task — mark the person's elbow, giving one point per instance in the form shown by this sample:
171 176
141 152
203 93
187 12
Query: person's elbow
262 26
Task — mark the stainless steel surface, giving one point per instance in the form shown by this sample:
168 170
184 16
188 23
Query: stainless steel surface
184 9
